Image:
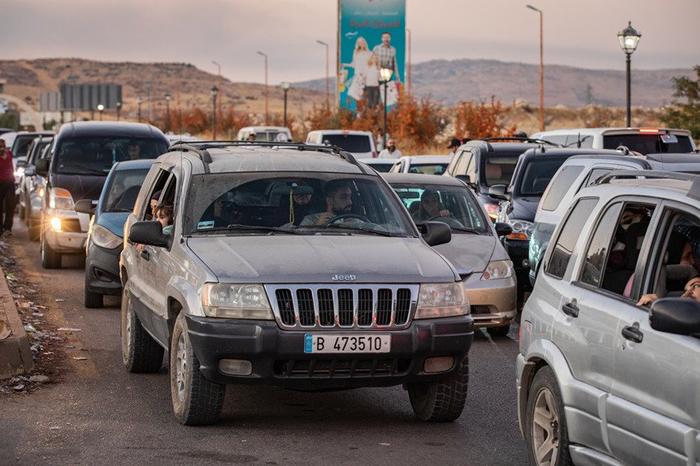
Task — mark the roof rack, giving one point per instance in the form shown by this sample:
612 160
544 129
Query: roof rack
521 139
650 174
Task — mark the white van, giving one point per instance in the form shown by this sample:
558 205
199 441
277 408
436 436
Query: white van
265 133
358 143
641 140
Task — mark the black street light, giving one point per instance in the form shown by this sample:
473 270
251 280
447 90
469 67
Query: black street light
285 89
385 74
167 112
214 92
100 108
119 110
629 39
139 101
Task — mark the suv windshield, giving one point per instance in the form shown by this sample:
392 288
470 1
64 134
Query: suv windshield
96 155
303 203
123 190
537 175
350 142
452 205
648 143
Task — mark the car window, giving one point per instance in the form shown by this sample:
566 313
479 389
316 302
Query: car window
570 232
498 170
96 155
559 186
537 175
647 143
559 139
427 168
349 142
599 247
123 190
595 175
155 194
462 162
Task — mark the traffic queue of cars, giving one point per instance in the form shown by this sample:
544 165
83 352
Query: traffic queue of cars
299 265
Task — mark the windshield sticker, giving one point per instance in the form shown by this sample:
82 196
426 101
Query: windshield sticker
205 225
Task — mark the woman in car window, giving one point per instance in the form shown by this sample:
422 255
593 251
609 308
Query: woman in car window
691 290
429 207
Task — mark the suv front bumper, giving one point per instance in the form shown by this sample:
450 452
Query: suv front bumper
278 357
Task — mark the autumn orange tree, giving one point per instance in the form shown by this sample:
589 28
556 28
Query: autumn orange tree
481 120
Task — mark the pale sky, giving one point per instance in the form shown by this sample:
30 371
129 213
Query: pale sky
577 32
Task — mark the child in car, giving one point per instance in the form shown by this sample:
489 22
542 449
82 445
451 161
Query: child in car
691 290
164 215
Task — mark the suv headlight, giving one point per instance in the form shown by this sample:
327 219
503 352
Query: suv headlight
235 301
104 238
498 269
521 230
442 300
60 199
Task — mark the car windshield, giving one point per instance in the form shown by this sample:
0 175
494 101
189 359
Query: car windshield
356 143
21 145
123 189
648 143
537 175
453 205
291 203
499 170
428 168
96 155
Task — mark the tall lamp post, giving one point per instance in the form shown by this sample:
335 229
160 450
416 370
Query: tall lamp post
385 74
328 84
167 112
264 55
214 92
119 110
100 108
139 101
537 10
285 89
629 38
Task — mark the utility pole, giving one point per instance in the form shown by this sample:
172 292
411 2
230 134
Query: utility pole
541 64
328 83
264 55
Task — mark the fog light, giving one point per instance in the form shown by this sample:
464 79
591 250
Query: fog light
56 224
441 364
235 366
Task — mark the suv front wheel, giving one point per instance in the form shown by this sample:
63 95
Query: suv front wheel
441 401
196 401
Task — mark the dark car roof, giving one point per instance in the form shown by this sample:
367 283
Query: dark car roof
420 179
109 129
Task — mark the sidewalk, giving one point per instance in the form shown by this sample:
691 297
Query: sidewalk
15 352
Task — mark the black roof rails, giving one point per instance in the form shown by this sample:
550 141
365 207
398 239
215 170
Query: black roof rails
521 139
650 174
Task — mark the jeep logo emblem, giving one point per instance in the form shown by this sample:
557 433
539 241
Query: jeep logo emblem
338 277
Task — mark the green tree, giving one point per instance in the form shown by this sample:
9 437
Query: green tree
685 114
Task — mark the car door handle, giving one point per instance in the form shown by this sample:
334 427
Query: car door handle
632 333
146 255
570 309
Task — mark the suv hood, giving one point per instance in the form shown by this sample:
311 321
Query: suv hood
317 258
468 253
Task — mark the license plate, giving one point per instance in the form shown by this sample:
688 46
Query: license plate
346 343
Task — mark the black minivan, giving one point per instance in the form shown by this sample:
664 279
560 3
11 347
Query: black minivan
82 155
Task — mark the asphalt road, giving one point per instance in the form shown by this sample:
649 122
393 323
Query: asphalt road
100 414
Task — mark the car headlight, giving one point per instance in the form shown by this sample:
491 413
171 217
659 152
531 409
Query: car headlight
60 199
498 269
442 300
521 230
104 238
235 301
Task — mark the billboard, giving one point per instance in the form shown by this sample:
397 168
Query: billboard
371 36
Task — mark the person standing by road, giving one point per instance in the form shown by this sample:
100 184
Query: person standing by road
391 152
7 190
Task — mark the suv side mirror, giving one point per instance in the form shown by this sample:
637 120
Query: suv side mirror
675 315
85 206
42 167
149 233
499 191
503 229
435 233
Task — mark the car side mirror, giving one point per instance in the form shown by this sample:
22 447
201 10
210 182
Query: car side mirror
86 206
503 229
148 233
435 233
42 167
499 191
675 315
30 170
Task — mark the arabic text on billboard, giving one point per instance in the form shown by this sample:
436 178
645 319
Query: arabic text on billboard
372 36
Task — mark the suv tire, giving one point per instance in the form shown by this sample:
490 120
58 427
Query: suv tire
441 401
50 259
196 401
140 352
549 435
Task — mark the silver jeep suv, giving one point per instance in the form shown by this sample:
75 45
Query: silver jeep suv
609 363
287 264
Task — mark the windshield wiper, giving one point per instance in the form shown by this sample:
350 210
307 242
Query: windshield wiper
251 228
364 230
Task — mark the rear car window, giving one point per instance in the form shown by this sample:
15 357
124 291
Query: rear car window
538 173
559 186
96 155
349 142
498 170
568 236
428 168
124 189
648 143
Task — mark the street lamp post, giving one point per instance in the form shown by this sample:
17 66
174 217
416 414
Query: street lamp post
264 55
214 92
629 39
537 10
119 110
138 108
285 89
100 108
385 74
167 112
328 84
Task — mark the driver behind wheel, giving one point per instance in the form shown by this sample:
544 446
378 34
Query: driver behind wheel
338 202
429 207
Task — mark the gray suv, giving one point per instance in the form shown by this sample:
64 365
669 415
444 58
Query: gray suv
290 265
609 363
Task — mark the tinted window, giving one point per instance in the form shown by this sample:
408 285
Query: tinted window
21 145
647 143
427 168
95 156
599 247
123 190
381 167
349 142
537 175
569 235
499 170
560 186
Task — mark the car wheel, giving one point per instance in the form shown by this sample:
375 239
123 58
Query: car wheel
50 259
441 401
196 401
92 300
499 332
545 424
140 352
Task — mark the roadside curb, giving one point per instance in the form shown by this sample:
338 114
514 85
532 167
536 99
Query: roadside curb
15 353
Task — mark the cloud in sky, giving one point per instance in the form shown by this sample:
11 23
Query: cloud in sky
577 33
